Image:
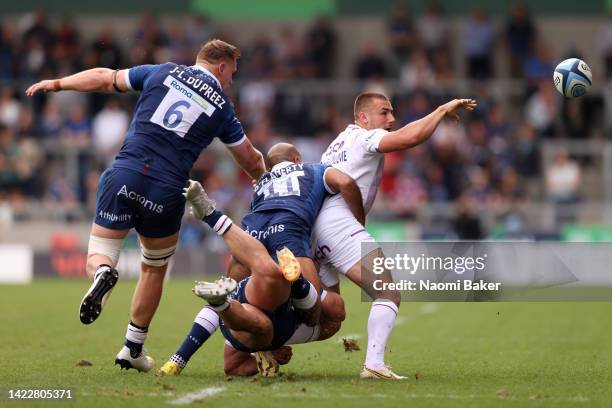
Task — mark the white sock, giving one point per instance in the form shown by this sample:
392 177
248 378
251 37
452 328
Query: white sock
304 334
208 318
380 323
135 334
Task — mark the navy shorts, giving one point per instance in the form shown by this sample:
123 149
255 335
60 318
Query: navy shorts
277 229
127 198
284 322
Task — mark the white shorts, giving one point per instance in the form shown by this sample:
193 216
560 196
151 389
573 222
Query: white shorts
336 241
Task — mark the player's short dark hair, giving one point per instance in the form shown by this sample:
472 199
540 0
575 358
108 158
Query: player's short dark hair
364 99
215 51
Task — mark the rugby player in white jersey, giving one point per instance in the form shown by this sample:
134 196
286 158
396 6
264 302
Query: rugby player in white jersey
359 152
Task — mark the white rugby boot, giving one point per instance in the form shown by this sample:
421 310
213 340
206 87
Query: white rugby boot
97 295
142 362
382 373
215 293
201 204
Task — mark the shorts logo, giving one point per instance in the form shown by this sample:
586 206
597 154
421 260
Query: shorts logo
272 229
142 200
114 217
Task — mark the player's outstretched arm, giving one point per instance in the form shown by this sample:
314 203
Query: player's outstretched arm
91 80
249 159
420 130
346 186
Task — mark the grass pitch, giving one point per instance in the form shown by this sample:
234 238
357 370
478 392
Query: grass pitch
455 354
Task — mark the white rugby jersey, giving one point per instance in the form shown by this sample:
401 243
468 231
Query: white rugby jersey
355 153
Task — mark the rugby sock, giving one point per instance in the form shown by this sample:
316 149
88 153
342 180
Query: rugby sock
218 222
135 337
304 334
380 323
303 294
205 324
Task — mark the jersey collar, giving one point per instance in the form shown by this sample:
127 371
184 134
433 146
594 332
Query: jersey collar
281 165
201 68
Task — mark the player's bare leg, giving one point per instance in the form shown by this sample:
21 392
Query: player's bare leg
156 253
237 271
151 280
247 323
382 316
267 289
102 256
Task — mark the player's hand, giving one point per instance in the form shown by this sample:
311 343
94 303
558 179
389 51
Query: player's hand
451 108
283 355
48 85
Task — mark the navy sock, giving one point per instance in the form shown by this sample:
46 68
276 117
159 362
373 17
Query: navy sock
212 218
218 221
300 288
134 338
194 340
135 348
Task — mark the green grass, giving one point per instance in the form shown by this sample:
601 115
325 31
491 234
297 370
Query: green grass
464 354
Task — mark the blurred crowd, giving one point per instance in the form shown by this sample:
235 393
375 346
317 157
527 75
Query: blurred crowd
54 146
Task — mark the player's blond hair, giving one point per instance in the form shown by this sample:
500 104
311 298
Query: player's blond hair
363 101
215 51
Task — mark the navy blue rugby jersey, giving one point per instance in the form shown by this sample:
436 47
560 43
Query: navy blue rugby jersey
179 112
296 187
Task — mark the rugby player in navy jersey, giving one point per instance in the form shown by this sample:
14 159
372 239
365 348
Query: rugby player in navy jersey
180 110
266 311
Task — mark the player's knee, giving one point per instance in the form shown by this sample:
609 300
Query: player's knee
332 307
329 328
156 259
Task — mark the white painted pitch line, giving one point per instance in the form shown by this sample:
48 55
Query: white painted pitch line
429 308
197 395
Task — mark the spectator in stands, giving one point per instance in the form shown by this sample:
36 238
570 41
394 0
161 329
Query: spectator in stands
371 64
321 46
9 108
520 37
106 50
68 41
605 46
38 28
563 179
542 108
199 30
417 74
9 180
8 54
290 56
467 224
432 28
76 131
478 43
108 130
402 34
525 151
